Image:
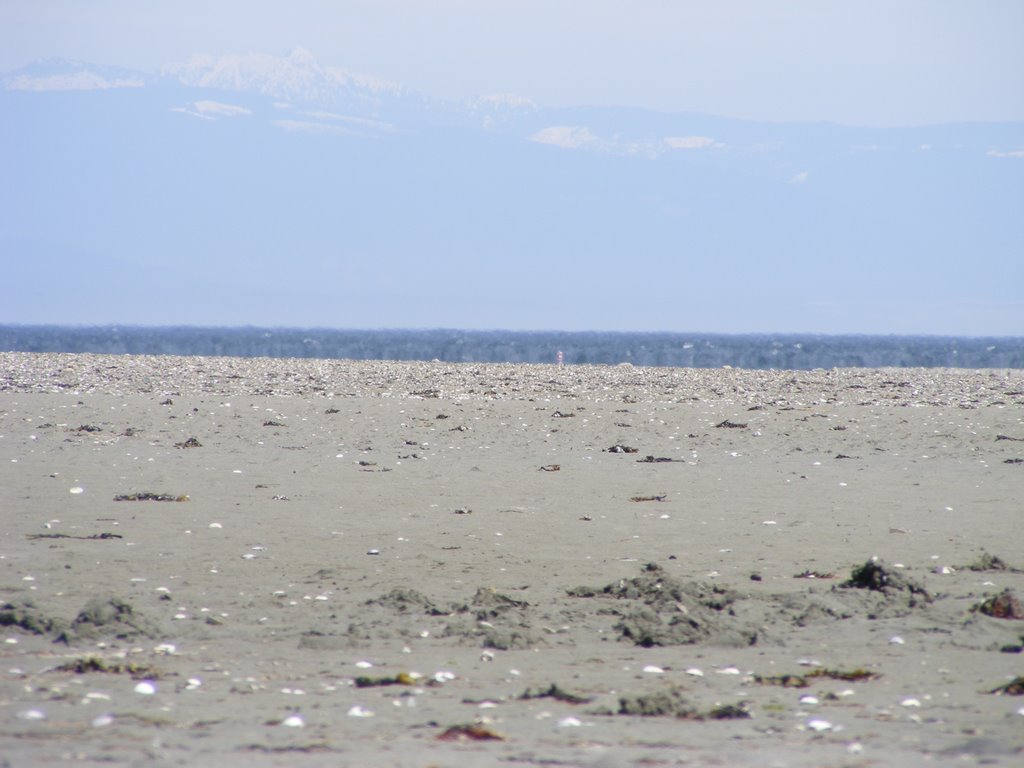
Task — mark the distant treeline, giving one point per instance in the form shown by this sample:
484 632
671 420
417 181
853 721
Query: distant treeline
758 351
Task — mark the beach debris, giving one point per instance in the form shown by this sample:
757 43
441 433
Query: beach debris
1013 688
463 511
94 664
619 448
782 681
190 443
24 614
108 617
95 536
877 576
728 712
426 393
1013 461
986 562
488 603
470 732
553 691
804 680
359 711
658 460
667 703
148 496
1005 605
330 411
673 702
272 423
730 425
809 574
551 468
671 612
405 600
88 428
402 678
660 497
1007 437
561 415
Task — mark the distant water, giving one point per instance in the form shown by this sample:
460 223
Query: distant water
697 350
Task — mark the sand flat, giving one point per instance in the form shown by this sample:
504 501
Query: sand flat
481 533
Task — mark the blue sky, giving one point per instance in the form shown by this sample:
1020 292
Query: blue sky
863 62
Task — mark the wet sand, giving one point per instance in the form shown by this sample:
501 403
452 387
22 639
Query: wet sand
422 564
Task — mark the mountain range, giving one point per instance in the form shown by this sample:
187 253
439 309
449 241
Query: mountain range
274 190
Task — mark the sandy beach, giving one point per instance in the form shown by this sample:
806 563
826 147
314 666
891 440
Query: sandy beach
223 561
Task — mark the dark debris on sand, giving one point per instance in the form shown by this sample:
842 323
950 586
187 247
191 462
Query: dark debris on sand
881 577
1005 605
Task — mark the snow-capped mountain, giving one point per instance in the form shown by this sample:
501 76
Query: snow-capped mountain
297 77
70 75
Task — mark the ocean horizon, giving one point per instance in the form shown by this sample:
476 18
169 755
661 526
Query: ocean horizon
763 351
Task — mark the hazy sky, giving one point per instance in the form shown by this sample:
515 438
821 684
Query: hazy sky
863 62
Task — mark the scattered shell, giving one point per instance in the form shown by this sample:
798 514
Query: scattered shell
102 721
570 722
910 703
76 490
293 721
145 688
652 669
358 711
695 672
820 725
32 714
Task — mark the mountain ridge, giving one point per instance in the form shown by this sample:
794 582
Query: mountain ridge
383 207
